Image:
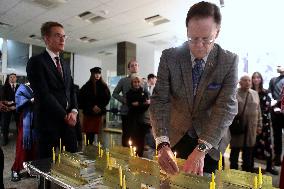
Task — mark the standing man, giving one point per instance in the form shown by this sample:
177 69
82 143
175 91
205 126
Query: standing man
194 100
55 99
123 87
8 96
275 87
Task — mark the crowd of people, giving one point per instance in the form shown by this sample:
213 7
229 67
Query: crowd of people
189 107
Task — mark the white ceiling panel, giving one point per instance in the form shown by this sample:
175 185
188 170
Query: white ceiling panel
124 21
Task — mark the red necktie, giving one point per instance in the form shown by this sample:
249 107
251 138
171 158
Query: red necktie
58 66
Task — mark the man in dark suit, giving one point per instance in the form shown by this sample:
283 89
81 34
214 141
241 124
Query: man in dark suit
55 98
8 97
194 100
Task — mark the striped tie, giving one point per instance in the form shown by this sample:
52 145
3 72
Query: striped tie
196 74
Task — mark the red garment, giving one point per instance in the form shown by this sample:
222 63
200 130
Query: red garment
91 124
21 154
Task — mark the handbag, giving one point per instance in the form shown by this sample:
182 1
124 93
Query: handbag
238 127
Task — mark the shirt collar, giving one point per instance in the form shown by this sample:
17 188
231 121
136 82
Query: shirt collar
193 59
52 54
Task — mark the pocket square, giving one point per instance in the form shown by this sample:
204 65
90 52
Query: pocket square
214 86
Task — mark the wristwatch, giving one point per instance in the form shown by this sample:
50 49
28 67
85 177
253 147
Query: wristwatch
202 147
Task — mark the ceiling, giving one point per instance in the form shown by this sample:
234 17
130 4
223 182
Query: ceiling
118 20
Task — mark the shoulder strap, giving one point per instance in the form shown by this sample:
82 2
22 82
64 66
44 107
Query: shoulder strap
245 105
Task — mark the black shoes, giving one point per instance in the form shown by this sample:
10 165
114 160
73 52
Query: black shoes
15 176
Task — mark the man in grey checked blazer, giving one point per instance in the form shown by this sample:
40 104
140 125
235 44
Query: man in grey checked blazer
195 123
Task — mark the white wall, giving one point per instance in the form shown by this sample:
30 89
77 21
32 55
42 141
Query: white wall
145 54
82 66
108 66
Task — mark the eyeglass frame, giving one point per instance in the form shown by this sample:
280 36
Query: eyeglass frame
59 36
204 41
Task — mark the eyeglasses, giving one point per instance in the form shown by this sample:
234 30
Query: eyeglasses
59 36
204 41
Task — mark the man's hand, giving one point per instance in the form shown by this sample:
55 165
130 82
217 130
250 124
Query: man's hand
3 107
135 103
195 163
167 161
147 101
96 109
71 119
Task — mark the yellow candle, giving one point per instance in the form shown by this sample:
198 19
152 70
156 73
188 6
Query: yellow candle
120 176
259 177
60 145
85 139
156 150
255 183
53 155
59 158
107 158
130 146
124 182
99 148
88 142
63 148
213 177
134 151
102 152
211 185
220 162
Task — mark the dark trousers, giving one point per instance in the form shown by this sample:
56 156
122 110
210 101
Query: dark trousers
125 131
6 119
50 138
277 125
90 137
247 157
184 148
1 168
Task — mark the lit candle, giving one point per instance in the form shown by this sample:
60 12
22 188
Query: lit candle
120 176
259 177
63 148
130 146
99 148
255 182
175 153
53 155
124 182
60 145
220 162
85 139
134 151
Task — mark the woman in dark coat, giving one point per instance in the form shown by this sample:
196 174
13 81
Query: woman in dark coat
138 102
27 137
282 165
263 145
93 99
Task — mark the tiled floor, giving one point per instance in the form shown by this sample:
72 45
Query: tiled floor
31 183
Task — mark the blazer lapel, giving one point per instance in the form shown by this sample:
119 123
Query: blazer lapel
206 76
186 67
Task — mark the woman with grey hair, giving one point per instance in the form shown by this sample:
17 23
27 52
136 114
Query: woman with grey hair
250 114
